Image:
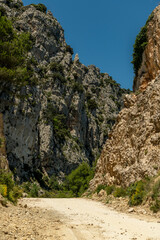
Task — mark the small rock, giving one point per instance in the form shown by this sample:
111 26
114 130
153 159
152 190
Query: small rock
142 211
24 195
131 210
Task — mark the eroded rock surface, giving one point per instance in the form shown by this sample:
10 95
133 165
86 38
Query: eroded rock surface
133 149
65 118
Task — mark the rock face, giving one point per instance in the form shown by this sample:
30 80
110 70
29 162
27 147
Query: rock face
65 118
3 155
132 151
150 66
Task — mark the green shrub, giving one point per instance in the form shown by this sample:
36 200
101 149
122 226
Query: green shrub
111 82
2 11
8 188
119 192
78 87
6 179
102 74
34 190
136 193
110 189
3 190
75 75
101 118
56 67
100 187
112 97
59 122
13 49
57 70
78 180
139 46
53 183
155 207
156 190
57 75
69 49
92 104
15 194
40 7
26 186
1 142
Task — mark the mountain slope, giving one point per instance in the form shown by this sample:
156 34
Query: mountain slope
61 115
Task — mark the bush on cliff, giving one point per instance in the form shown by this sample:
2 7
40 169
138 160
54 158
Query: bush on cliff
59 121
139 46
40 7
13 49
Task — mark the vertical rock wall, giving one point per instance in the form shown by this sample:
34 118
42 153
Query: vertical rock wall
63 119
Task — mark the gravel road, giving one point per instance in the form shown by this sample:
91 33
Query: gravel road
83 219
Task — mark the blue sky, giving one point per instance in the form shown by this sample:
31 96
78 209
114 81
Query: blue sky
102 32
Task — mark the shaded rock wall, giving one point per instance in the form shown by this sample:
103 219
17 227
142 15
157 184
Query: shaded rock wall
66 116
3 155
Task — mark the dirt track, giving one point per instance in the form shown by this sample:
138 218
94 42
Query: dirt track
72 219
82 219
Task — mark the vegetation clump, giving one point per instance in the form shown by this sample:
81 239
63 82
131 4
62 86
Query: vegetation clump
100 187
111 82
74 185
59 121
13 50
40 7
139 46
78 180
2 11
1 142
92 104
31 188
155 195
140 192
8 188
136 193
69 49
119 192
56 67
57 70
78 87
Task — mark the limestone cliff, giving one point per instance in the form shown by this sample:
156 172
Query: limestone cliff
150 64
65 116
132 151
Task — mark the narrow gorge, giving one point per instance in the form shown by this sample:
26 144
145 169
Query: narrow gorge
57 114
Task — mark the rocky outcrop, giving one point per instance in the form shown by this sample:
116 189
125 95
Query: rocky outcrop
63 119
150 65
132 151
